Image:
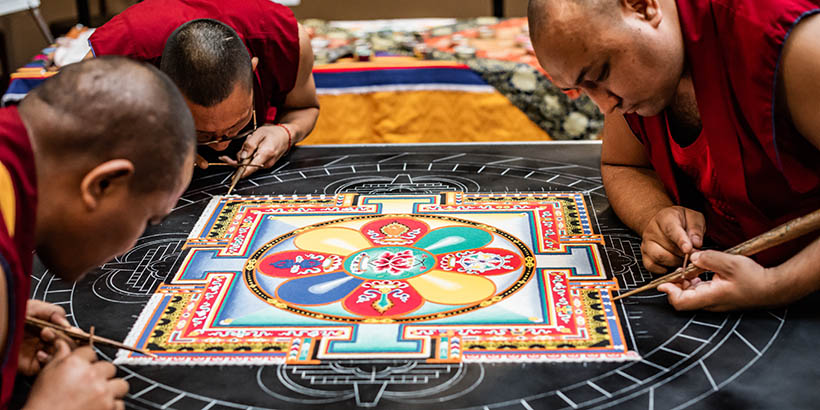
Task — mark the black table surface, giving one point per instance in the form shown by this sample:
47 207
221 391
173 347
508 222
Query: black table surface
757 359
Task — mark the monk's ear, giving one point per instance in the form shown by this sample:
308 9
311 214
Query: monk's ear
105 180
254 62
648 10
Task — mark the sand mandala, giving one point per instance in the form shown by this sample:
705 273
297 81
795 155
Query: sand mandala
442 278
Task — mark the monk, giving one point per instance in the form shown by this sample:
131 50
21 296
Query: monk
87 161
244 67
711 130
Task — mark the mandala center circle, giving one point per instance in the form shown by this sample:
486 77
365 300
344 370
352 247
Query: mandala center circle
389 262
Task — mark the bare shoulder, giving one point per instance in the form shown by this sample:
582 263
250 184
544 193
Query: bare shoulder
305 49
799 78
305 55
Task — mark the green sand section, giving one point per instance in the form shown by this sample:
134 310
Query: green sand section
453 239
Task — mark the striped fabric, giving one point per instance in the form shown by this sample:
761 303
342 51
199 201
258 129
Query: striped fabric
27 78
407 100
389 99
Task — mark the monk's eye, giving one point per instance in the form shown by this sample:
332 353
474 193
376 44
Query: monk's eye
589 85
604 73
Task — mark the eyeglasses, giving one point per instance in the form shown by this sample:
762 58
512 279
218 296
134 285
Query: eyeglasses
250 128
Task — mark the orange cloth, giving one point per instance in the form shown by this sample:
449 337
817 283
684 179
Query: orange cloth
421 116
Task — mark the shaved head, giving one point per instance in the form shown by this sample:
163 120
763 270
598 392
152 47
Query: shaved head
207 60
626 55
542 14
108 108
113 144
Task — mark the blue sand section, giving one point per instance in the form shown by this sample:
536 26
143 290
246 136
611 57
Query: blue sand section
240 302
268 229
242 308
206 261
318 290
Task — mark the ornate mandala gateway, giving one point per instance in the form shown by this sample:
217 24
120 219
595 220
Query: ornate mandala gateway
441 278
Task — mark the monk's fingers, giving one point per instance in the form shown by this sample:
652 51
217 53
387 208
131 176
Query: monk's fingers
691 297
228 160
656 258
63 349
256 163
86 353
118 387
43 357
652 266
695 227
104 369
48 335
251 145
58 317
200 162
47 311
267 153
724 264
673 226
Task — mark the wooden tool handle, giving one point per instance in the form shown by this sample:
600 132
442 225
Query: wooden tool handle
786 232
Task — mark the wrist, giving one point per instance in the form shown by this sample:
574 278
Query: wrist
787 285
652 212
290 132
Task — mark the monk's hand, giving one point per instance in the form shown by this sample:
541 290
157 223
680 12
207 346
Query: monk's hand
200 162
670 234
38 345
265 146
738 283
77 380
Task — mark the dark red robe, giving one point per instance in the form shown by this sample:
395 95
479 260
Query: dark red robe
749 170
269 31
18 207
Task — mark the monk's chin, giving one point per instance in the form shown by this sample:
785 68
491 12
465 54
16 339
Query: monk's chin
64 267
648 110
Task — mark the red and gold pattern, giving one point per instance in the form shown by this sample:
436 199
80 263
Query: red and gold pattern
306 279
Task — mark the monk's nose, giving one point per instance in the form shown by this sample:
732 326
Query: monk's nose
220 146
605 100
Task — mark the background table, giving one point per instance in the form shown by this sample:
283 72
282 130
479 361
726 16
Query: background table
761 359
500 94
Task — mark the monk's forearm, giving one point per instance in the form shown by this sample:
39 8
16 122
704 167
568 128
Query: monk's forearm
636 194
300 121
801 273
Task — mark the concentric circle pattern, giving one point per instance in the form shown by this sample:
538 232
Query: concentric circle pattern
386 267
